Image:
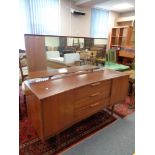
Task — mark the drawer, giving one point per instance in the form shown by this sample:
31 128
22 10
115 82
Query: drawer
102 94
90 109
86 91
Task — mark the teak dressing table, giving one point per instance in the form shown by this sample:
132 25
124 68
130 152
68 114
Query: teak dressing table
55 105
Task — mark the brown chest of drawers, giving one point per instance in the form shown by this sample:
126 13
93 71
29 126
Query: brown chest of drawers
55 105
91 98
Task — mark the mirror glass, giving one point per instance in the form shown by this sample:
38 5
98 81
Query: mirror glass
58 48
52 43
100 42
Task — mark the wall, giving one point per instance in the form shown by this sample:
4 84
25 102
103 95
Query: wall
74 25
100 41
112 22
127 18
127 14
65 17
80 25
52 41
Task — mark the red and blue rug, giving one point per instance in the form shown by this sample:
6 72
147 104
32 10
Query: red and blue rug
123 109
30 143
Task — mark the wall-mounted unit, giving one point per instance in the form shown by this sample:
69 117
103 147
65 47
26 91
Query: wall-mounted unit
77 12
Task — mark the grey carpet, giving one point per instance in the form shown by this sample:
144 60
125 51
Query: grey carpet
116 139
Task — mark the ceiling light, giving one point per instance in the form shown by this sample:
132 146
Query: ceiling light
123 6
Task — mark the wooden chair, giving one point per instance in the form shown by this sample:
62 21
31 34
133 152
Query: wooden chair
23 67
100 55
24 75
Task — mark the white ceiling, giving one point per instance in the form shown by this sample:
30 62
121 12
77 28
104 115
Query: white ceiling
105 4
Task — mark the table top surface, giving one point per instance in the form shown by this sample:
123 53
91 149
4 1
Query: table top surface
47 87
53 72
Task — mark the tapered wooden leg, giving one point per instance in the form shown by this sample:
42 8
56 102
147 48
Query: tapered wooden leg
112 110
25 104
20 116
58 141
132 98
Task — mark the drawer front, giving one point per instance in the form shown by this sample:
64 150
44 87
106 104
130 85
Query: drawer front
92 89
100 95
91 108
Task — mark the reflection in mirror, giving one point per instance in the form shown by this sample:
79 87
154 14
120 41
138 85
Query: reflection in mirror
100 42
52 43
88 43
78 42
85 50
69 41
81 42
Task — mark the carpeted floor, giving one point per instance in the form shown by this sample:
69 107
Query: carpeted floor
123 109
116 139
30 144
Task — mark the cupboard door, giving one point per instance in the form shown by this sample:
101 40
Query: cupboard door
119 89
57 113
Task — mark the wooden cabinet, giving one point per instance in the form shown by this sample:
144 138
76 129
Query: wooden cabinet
122 39
23 66
55 105
120 36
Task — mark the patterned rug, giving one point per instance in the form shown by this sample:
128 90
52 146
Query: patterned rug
123 109
30 144
22 107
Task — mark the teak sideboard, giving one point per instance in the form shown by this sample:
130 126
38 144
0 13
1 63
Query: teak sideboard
55 105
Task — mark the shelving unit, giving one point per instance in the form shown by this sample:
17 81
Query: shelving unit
120 36
122 39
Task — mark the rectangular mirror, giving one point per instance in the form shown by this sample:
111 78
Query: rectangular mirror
65 51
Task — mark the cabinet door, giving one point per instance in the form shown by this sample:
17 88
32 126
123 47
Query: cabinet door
57 113
114 37
119 89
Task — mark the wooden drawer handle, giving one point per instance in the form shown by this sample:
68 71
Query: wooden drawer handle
95 94
95 104
95 84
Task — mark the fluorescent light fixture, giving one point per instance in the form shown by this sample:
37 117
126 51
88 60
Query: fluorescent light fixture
122 6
